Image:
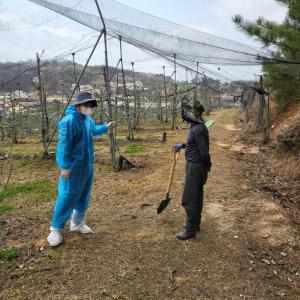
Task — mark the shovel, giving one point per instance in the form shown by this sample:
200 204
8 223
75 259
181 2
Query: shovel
164 203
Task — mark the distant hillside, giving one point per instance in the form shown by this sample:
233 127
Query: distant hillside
56 72
19 76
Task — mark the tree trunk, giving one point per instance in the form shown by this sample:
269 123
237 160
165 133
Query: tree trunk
45 121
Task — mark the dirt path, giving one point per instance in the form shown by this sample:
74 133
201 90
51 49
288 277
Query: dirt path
247 248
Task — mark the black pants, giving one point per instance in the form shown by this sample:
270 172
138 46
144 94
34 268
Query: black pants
192 198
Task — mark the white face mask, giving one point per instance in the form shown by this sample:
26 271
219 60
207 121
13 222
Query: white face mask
87 111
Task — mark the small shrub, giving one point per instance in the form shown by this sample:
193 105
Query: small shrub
9 254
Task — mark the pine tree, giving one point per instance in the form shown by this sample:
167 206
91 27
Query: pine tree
284 41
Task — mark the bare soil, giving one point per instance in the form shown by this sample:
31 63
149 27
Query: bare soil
248 247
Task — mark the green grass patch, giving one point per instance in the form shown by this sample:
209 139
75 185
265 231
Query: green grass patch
9 254
135 149
32 190
4 208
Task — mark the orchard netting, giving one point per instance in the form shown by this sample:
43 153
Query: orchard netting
161 37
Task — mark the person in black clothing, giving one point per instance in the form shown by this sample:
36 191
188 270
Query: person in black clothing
198 165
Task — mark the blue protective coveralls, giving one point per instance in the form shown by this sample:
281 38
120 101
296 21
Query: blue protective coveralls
75 151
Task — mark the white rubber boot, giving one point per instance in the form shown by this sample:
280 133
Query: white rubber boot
55 237
78 223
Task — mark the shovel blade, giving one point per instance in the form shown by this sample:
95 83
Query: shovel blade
163 204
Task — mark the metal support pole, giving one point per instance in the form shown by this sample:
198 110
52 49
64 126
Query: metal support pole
135 113
196 87
116 99
268 117
62 92
166 97
174 112
108 91
187 83
130 132
13 120
205 93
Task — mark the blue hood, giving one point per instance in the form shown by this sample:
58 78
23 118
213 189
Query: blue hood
71 109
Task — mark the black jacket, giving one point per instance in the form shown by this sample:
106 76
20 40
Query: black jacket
197 145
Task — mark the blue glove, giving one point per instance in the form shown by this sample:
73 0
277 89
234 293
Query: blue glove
177 147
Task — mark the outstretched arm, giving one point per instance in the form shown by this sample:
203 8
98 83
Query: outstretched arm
98 130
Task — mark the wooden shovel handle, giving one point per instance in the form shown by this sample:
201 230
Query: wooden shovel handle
175 158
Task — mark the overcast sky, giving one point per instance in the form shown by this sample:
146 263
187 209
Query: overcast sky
26 28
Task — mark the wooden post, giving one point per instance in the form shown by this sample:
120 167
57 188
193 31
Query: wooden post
164 137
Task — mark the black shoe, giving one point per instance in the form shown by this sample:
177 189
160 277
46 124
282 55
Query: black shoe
185 235
197 228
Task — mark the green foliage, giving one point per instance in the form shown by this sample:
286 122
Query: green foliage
5 208
9 254
135 149
32 190
284 41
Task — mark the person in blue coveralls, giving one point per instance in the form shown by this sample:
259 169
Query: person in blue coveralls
75 158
